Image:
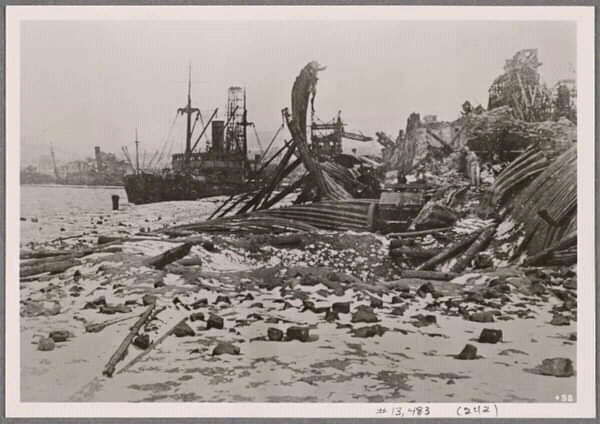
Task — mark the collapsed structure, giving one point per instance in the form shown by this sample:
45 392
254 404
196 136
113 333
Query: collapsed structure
522 154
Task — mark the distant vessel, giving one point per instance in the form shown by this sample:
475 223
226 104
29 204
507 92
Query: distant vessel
221 170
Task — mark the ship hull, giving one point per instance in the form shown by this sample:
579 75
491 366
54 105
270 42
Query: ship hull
151 188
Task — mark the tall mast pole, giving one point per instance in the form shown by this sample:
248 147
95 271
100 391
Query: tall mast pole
188 110
137 153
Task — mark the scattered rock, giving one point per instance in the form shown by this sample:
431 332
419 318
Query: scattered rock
331 316
341 307
297 333
257 305
183 330
468 352
46 344
113 309
487 316
319 309
149 299
537 288
370 331
489 335
573 337
500 285
248 297
559 319
177 302
60 335
209 246
77 275
557 367
376 303
399 310
214 321
307 305
274 334
423 320
224 299
397 299
425 288
199 303
226 348
197 316
257 317
142 341
364 314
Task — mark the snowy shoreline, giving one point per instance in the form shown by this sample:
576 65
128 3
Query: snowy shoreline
407 352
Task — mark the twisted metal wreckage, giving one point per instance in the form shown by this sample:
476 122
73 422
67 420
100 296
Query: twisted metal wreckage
536 193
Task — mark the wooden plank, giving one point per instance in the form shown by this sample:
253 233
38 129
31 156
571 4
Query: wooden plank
121 351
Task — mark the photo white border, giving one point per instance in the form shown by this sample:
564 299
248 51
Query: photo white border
586 340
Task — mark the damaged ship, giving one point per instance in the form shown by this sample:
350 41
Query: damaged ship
223 169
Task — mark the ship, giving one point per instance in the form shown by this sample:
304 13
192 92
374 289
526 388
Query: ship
223 169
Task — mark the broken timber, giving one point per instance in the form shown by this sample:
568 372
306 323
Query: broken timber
152 346
121 351
169 256
450 251
478 245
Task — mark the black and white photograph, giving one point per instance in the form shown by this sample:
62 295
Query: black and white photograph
300 211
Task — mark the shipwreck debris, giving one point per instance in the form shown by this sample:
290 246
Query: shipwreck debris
121 351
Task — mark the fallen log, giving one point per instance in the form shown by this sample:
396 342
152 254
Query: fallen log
169 256
41 254
418 233
478 245
121 351
450 251
96 327
414 252
35 257
428 275
53 267
152 346
568 241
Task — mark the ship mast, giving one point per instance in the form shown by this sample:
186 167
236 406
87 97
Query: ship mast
188 110
137 153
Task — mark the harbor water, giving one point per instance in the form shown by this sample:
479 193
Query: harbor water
54 212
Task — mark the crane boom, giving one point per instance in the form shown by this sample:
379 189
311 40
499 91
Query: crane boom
355 136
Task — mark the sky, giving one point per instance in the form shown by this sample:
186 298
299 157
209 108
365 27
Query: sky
93 82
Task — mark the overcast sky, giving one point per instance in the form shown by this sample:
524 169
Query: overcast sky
88 83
